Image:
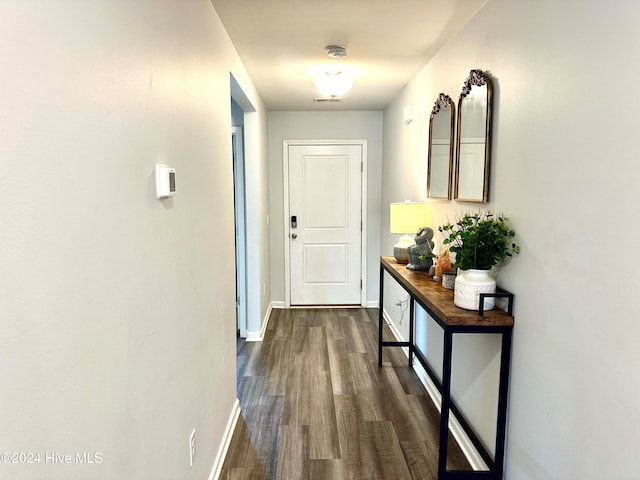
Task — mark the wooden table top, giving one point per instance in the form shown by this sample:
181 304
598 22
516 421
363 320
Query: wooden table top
440 300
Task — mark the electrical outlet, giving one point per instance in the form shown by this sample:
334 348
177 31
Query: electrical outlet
192 447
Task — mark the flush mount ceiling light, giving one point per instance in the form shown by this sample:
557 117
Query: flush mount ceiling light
333 83
333 80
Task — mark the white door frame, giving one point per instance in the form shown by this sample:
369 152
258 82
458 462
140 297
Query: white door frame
287 226
241 229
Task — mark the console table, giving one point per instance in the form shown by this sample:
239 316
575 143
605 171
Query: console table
438 303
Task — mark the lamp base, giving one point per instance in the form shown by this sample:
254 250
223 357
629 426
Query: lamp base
400 249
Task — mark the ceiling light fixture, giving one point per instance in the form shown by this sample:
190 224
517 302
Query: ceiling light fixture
333 80
333 83
336 51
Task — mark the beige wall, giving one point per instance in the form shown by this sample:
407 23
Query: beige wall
567 175
117 310
329 126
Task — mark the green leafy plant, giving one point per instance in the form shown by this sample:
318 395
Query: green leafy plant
480 240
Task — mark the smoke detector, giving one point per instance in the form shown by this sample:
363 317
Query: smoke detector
336 51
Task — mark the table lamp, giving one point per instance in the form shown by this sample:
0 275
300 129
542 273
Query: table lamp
406 218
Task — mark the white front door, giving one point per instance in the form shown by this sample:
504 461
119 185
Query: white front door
325 221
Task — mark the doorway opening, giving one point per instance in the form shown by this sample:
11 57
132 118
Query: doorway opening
240 216
239 202
325 227
248 280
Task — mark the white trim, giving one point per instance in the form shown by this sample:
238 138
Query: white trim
363 229
265 320
325 307
277 304
226 441
466 445
237 135
286 217
253 337
363 202
372 304
252 178
268 314
259 336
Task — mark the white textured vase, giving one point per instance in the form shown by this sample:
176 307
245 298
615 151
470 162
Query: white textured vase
469 285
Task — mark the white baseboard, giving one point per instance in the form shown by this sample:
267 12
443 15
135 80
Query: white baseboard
253 337
466 445
259 336
226 441
369 304
265 320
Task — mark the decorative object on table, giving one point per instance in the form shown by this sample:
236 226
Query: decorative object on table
480 241
449 279
421 254
443 264
406 218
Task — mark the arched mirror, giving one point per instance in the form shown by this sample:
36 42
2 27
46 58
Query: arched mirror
440 158
473 140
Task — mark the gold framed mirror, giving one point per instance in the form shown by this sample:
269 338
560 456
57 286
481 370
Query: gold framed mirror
440 156
473 142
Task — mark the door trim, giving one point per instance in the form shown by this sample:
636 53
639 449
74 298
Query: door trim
240 226
363 207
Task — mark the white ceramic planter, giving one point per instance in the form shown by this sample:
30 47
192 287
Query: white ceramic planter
469 285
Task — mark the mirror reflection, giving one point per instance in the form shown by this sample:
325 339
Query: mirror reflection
440 159
473 141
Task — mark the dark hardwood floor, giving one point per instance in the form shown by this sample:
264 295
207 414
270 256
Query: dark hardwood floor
315 405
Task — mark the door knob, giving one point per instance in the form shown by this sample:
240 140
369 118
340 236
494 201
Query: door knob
294 236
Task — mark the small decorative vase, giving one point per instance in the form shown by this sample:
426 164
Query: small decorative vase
449 280
469 285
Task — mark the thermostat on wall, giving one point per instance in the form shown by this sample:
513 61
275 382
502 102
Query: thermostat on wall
165 181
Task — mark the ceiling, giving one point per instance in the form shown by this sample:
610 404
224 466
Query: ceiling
388 42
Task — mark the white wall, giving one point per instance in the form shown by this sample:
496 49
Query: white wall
117 310
566 171
318 126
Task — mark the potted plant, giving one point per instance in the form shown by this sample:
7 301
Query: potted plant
480 241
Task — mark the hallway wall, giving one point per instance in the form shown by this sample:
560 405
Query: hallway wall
117 309
564 167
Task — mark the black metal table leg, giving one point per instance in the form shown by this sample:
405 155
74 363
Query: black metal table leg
501 430
445 404
411 329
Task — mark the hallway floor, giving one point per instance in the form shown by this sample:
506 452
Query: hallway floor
315 405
